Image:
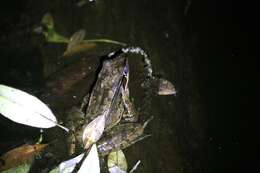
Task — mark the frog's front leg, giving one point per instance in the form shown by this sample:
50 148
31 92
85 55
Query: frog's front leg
74 121
130 114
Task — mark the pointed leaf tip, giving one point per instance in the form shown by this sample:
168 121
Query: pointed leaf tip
24 108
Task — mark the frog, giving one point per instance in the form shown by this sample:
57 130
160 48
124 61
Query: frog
109 96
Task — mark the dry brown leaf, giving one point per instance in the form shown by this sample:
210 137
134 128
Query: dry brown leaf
20 155
79 48
93 131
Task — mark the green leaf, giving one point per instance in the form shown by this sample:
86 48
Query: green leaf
19 169
117 161
47 21
55 170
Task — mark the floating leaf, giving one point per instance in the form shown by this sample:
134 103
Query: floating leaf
76 38
47 21
90 164
116 162
79 48
20 155
49 30
26 109
24 168
55 170
69 165
53 37
116 169
77 44
93 131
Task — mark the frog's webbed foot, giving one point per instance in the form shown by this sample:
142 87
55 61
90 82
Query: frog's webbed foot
140 138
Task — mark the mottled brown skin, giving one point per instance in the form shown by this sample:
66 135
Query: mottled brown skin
121 137
110 92
116 113
105 87
74 121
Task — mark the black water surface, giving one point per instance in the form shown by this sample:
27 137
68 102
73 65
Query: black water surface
199 49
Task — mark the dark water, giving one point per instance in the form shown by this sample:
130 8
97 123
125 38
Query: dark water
198 49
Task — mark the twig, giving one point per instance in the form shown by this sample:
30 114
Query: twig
135 166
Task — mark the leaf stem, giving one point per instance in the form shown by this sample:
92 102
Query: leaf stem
63 127
105 41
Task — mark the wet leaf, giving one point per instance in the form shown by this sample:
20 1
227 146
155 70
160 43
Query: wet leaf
24 168
116 162
116 169
69 165
26 109
90 164
77 44
47 21
93 131
20 155
79 48
55 170
53 37
76 38
49 30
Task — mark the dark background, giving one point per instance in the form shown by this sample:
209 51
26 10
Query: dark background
217 39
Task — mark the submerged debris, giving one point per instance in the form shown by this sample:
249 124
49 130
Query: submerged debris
20 155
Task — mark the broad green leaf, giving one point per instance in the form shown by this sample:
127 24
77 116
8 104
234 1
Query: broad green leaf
116 162
26 109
